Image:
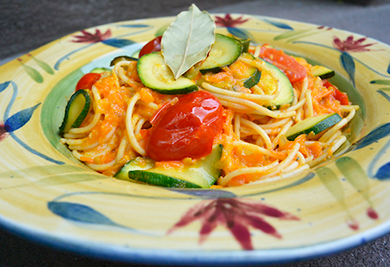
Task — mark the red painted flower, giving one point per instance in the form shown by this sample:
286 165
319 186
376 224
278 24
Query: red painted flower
351 45
87 37
236 215
228 21
3 132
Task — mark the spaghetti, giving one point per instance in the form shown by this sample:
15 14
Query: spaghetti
255 147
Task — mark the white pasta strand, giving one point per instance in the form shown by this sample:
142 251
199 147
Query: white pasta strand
256 108
309 104
96 117
224 180
290 174
282 132
129 126
338 126
260 131
259 149
254 97
237 125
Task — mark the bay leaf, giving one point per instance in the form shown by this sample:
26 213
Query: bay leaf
188 40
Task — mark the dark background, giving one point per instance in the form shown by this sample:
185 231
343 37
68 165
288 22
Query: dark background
26 25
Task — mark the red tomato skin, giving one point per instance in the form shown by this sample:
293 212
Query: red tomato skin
87 81
186 129
294 71
338 95
152 46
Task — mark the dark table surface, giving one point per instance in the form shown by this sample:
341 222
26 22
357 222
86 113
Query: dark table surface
26 25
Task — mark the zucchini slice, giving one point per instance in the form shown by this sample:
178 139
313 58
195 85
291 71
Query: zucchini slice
76 110
203 174
248 74
254 77
100 70
286 96
322 72
313 124
156 75
122 58
223 52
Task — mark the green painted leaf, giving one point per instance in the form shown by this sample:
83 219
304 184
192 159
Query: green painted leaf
332 183
33 73
44 66
49 175
188 40
289 34
354 174
382 82
385 89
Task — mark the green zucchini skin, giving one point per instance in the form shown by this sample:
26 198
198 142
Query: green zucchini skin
322 72
253 79
253 73
122 58
286 96
202 175
313 124
76 110
224 52
156 75
100 70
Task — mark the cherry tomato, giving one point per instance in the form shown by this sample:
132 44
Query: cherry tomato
152 46
294 71
88 80
186 128
338 95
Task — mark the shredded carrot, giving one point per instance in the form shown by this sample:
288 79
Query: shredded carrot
170 165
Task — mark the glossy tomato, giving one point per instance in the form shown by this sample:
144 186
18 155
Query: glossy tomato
152 46
186 128
88 80
338 95
294 71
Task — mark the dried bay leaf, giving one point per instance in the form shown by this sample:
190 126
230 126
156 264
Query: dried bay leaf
188 40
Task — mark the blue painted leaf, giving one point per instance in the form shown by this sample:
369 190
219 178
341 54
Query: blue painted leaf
239 33
206 193
388 69
119 43
134 25
379 133
79 213
381 92
349 65
3 86
19 119
383 172
279 24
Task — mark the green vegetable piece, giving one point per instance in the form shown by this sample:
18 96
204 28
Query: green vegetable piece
286 96
156 75
313 124
322 72
76 110
100 70
224 52
203 174
122 58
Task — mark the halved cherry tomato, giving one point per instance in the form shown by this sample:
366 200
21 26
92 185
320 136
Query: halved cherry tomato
152 46
88 80
186 128
338 95
294 71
